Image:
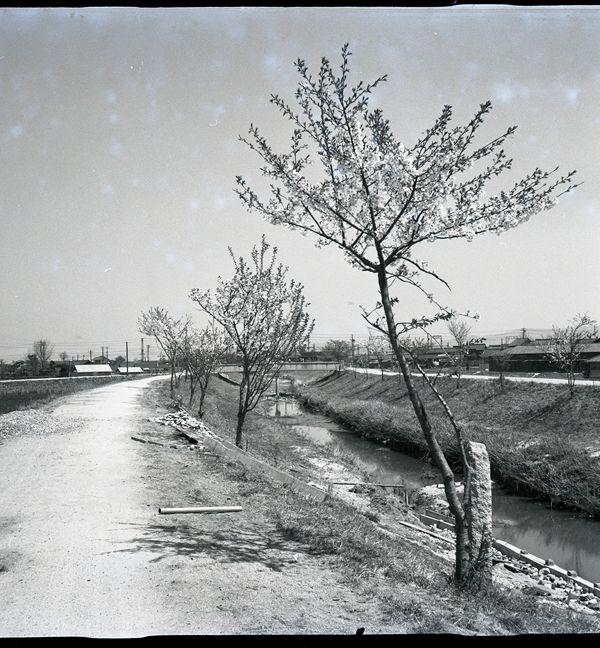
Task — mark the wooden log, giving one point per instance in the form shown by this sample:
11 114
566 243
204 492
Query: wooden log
200 509
156 443
148 441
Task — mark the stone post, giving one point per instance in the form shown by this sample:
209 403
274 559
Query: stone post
479 514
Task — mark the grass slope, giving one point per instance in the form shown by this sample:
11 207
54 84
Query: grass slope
539 440
404 579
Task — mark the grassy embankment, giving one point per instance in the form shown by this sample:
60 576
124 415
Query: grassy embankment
539 440
406 574
24 394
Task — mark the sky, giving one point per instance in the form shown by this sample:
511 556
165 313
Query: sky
119 151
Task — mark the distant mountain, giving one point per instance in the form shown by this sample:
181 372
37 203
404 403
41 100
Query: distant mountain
531 333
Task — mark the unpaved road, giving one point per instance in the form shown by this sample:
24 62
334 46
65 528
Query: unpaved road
84 553
66 500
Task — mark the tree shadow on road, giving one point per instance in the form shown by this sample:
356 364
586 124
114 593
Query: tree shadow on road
231 545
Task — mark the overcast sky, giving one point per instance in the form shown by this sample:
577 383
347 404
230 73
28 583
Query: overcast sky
119 153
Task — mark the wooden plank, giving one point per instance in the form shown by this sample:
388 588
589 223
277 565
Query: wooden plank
441 523
199 509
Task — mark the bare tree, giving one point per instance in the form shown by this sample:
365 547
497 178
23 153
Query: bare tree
265 317
202 351
460 331
566 344
378 200
169 333
43 350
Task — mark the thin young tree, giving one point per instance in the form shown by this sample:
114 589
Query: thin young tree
202 352
460 331
566 344
169 333
379 347
379 201
265 317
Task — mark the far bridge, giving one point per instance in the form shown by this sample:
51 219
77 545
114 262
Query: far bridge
289 366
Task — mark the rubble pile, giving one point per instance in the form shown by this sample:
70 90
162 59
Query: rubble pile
548 584
184 420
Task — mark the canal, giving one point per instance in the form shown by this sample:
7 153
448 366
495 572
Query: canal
572 541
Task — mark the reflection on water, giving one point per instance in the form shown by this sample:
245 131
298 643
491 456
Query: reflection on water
572 542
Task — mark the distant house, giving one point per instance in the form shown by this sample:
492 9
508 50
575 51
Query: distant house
534 358
92 370
434 357
131 370
591 367
524 357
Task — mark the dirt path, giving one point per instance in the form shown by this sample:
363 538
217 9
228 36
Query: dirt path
65 502
83 551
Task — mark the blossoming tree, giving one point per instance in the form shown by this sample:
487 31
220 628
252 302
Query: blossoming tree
349 182
168 331
265 317
202 351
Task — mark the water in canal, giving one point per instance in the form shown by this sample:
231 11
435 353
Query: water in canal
571 541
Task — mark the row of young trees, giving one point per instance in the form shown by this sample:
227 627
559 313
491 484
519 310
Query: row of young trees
259 313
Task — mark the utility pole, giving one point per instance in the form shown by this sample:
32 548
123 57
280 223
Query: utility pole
352 341
127 358
147 352
142 349
90 355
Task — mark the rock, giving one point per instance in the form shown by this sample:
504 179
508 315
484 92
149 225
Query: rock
572 596
544 570
481 506
594 604
571 572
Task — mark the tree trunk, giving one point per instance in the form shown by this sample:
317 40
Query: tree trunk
239 436
192 390
200 405
456 508
242 409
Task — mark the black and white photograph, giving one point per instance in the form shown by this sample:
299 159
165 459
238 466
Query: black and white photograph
300 321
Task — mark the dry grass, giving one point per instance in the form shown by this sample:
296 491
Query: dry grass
409 584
